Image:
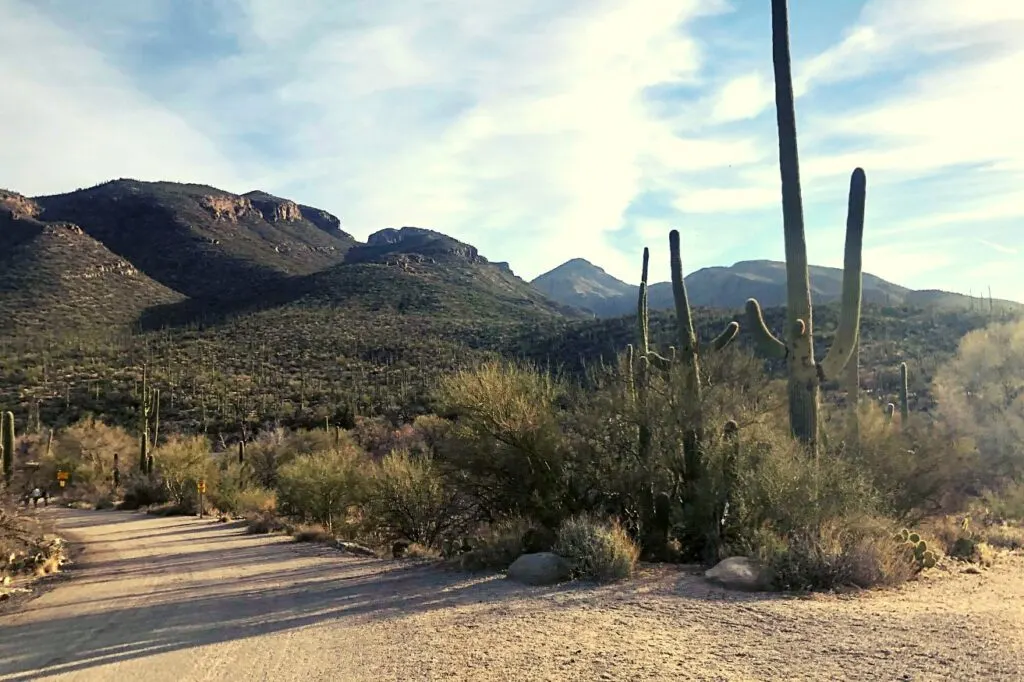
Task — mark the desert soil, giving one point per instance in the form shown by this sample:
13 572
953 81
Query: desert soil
186 599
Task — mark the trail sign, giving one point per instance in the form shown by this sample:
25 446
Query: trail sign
62 477
202 485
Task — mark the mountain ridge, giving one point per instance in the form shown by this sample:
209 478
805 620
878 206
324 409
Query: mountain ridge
582 284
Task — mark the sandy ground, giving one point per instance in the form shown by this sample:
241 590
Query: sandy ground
183 599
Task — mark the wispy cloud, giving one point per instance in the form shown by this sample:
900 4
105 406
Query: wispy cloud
535 129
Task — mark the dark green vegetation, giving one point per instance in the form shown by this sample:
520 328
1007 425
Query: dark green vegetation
292 322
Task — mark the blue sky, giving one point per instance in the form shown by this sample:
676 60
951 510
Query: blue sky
543 130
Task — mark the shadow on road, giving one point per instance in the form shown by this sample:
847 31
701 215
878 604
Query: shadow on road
148 617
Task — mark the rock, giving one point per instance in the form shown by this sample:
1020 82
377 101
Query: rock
399 548
738 573
354 548
541 568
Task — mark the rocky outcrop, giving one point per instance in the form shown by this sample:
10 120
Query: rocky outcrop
415 244
275 210
17 206
324 220
227 207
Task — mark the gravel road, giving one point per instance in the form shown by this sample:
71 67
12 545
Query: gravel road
176 599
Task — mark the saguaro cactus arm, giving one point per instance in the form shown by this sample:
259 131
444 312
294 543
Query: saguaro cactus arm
641 313
687 337
767 344
849 321
726 337
684 320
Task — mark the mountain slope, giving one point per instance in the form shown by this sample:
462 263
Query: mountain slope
202 241
56 278
411 271
573 283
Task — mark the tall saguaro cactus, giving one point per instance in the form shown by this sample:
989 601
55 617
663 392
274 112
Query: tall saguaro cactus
851 380
805 374
904 396
7 443
149 405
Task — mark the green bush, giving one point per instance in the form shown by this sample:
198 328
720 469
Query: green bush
507 450
326 488
596 550
409 499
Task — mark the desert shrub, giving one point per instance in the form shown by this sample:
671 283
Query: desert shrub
777 484
1006 503
646 490
919 470
961 539
507 450
838 552
141 491
980 393
1004 537
312 533
596 550
254 501
272 449
378 436
325 487
263 523
409 498
432 430
87 449
496 545
181 462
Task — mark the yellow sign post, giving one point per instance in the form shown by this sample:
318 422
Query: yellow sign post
62 478
201 485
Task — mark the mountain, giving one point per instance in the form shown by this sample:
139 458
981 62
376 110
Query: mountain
251 310
55 276
201 241
583 285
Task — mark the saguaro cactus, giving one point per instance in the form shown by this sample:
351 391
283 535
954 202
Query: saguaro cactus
149 404
904 399
851 380
7 443
805 374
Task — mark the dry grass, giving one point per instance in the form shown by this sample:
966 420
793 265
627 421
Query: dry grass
312 533
837 553
1005 537
496 546
597 550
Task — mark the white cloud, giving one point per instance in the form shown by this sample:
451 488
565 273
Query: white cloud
71 119
522 127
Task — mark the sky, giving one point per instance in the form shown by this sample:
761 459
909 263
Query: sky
544 130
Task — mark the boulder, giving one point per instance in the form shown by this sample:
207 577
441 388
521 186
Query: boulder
540 568
738 573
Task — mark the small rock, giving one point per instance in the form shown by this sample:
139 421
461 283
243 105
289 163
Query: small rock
540 568
355 548
973 570
738 573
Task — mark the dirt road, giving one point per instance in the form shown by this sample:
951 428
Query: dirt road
183 599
